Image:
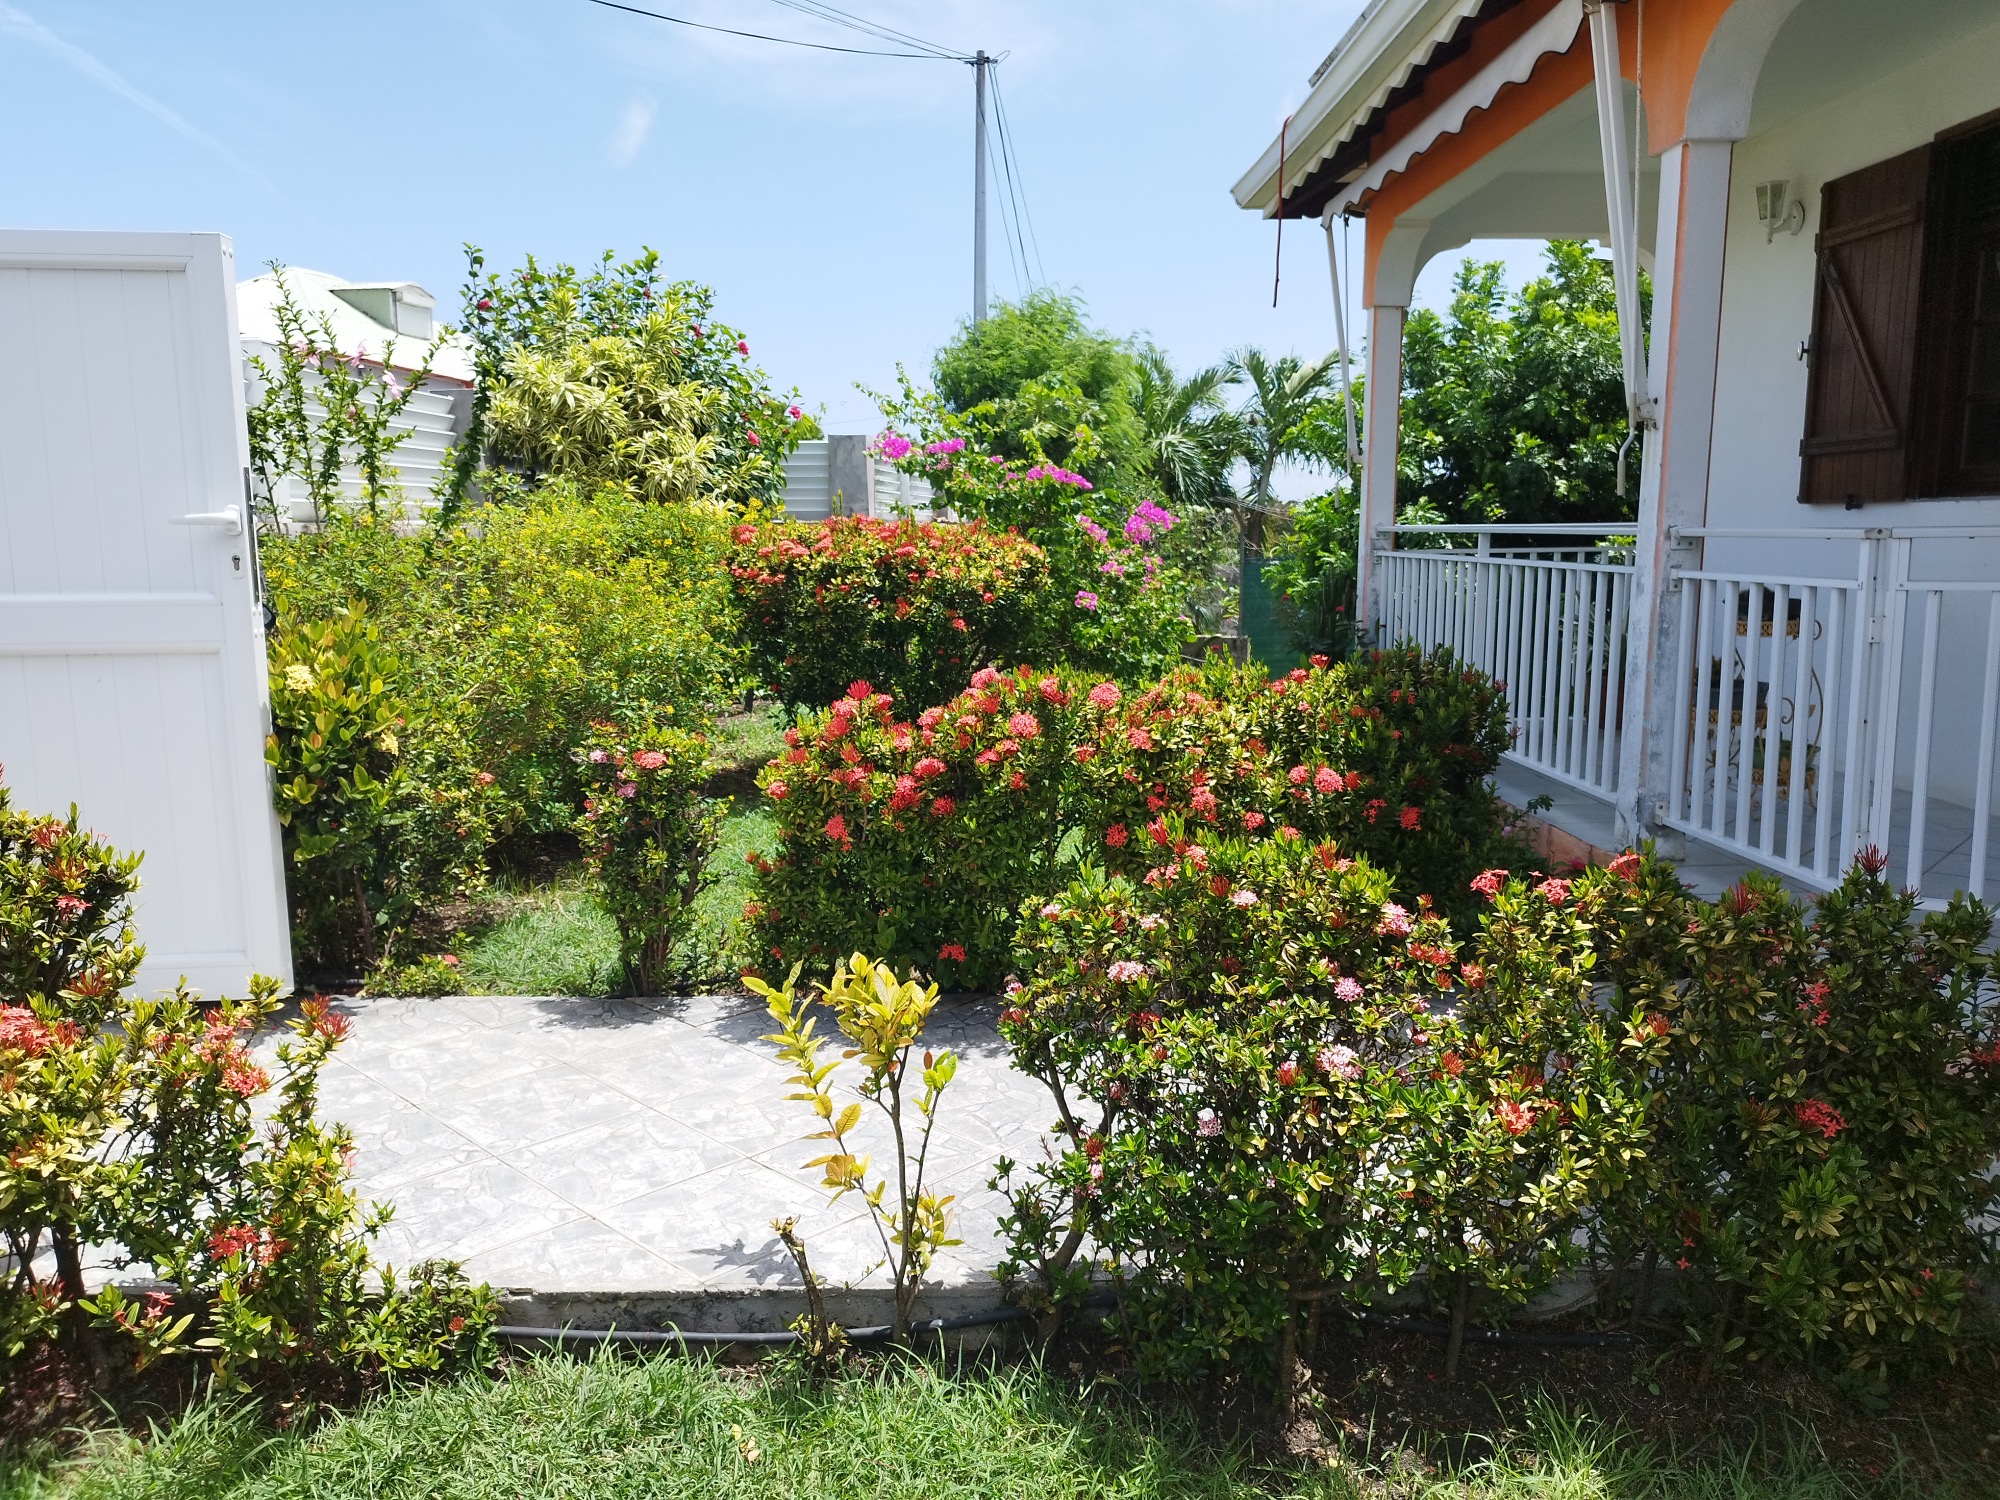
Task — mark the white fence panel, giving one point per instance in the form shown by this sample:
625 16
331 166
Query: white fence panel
131 640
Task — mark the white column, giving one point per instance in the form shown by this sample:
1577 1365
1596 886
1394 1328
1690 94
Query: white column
1673 491
1383 401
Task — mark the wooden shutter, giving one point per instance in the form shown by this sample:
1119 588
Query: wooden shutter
1858 443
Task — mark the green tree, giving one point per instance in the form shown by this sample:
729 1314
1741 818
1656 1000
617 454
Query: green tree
1036 382
1189 434
1284 413
1516 413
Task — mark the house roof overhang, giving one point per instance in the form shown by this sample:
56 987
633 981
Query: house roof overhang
1381 63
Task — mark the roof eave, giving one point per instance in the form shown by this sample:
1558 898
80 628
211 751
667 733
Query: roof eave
1378 42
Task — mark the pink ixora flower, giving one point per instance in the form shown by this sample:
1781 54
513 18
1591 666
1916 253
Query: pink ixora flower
1208 1124
1348 989
1395 921
649 760
1339 1061
627 788
1125 971
1243 898
777 791
1488 883
1024 725
1105 696
1555 892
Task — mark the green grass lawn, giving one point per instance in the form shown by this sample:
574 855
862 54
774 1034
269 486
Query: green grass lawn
668 1427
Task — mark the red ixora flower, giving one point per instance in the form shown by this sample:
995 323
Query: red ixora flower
649 760
1288 1073
1116 835
955 952
1412 819
1515 1118
836 828
1817 1114
1626 866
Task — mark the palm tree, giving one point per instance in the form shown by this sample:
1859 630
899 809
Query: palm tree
1189 435
1275 420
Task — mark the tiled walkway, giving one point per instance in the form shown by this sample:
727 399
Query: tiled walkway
638 1150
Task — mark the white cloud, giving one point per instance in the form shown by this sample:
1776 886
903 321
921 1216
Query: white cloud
19 23
635 123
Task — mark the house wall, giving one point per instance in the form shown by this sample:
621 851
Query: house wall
1761 381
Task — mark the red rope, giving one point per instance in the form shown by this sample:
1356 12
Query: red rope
1278 261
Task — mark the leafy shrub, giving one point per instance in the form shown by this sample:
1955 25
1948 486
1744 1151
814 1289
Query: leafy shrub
137 1123
1278 1087
1828 1106
647 835
382 815
521 631
914 838
612 377
913 608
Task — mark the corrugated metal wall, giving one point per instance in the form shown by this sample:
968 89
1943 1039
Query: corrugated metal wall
809 483
432 421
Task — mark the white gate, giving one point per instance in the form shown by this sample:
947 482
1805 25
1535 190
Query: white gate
131 638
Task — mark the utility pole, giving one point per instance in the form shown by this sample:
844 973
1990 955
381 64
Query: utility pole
980 63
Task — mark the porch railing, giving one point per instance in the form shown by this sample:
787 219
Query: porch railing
1813 711
1821 714
1543 610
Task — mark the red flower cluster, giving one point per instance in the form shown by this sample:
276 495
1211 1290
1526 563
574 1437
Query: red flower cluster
1817 1115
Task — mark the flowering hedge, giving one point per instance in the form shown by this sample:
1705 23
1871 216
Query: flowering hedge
1093 767
1827 1109
1275 1084
914 836
150 1125
1387 755
913 608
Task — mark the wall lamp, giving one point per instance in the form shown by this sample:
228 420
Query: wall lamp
1776 210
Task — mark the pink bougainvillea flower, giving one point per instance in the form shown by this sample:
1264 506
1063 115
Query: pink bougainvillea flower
1085 599
742 346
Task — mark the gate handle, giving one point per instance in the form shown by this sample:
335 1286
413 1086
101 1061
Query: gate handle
229 518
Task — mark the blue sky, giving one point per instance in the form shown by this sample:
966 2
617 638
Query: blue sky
826 198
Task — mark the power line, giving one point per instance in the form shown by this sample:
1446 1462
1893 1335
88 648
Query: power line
880 32
1010 200
1012 158
759 36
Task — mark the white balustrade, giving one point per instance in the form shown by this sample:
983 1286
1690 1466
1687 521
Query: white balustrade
1541 614
1813 712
